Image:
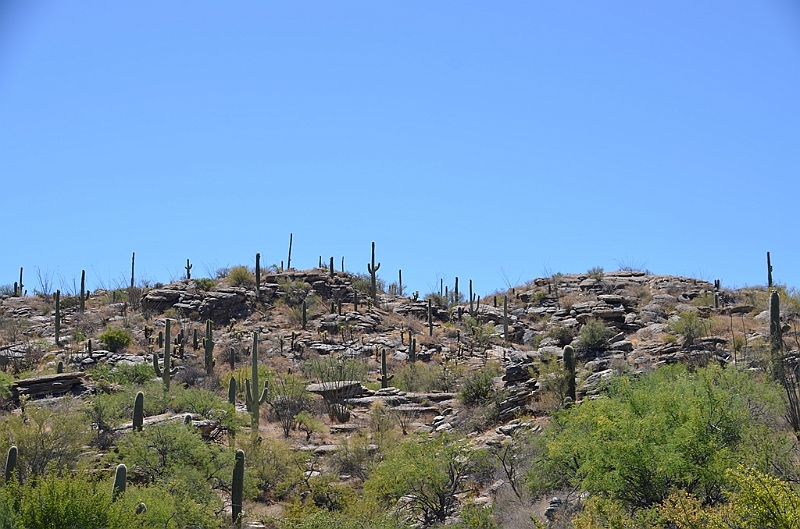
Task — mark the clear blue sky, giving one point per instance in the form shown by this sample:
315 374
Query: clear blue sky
471 139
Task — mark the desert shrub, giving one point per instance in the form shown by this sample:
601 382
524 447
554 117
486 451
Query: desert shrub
116 339
478 387
667 431
293 292
363 284
241 276
273 469
424 477
48 439
562 334
594 335
596 273
690 326
168 506
205 283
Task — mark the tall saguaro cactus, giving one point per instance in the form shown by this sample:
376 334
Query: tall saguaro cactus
133 262
373 272
289 258
385 377
237 487
775 335
120 481
769 272
505 318
208 346
569 366
430 317
58 316
258 275
21 291
11 462
188 268
138 412
83 291
253 400
166 372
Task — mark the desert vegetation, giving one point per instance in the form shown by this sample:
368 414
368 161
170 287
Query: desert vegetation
286 398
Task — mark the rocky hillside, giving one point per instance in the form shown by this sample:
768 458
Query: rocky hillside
618 322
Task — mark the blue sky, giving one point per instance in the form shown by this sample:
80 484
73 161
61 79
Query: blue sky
496 141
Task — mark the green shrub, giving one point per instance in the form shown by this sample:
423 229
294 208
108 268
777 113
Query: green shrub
690 326
562 334
594 335
116 339
241 276
205 283
478 388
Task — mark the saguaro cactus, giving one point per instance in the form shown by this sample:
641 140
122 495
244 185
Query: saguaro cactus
83 291
208 345
775 335
232 391
258 275
21 291
412 353
400 283
58 316
430 317
569 366
769 273
289 258
385 377
253 400
188 268
138 412
305 315
505 318
120 481
11 462
373 272
237 486
166 372
133 262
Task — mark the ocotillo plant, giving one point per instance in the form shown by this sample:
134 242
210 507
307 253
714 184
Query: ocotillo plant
373 272
258 275
188 268
251 392
232 391
166 372
138 412
11 462
58 316
82 305
208 345
385 377
569 366
120 481
237 487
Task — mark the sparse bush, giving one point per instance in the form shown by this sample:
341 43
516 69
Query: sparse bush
562 334
241 276
596 273
116 339
690 326
478 388
205 283
594 335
